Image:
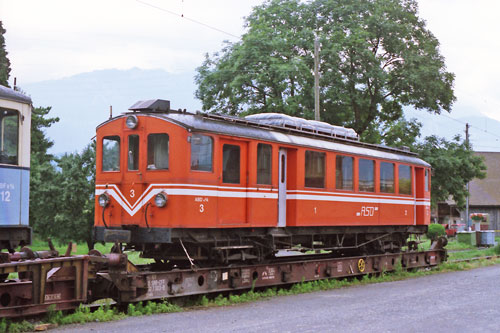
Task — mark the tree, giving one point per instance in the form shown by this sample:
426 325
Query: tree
376 57
74 219
44 189
4 61
454 165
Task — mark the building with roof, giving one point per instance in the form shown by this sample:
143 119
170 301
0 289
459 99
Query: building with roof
485 193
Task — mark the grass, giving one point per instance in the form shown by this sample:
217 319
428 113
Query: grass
41 245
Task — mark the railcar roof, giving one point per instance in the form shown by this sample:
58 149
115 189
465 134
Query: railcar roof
248 129
12 95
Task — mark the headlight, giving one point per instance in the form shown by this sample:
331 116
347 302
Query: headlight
131 122
103 200
161 200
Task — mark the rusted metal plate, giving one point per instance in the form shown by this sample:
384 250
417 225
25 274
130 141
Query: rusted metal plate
141 286
58 282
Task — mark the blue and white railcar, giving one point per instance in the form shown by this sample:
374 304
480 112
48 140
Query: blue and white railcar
15 127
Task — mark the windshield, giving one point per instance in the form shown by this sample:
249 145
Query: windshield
9 137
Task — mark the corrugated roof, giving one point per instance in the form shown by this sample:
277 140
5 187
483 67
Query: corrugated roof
486 192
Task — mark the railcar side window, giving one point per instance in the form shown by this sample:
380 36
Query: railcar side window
201 152
366 175
231 164
344 173
111 153
387 177
264 153
133 152
426 180
158 151
315 169
9 137
404 179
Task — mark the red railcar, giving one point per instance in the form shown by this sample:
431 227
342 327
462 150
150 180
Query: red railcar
216 188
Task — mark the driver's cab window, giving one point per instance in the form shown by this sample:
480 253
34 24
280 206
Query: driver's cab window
9 137
111 153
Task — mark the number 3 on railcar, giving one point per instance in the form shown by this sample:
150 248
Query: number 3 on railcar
15 126
216 189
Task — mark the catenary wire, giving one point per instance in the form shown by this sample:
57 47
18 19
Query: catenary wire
187 18
289 71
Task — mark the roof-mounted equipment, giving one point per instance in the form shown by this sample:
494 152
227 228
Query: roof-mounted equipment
311 126
152 105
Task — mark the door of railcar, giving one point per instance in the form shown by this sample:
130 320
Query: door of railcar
422 193
282 188
232 193
133 185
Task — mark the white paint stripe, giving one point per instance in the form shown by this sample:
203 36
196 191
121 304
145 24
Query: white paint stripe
221 192
260 190
343 194
184 192
351 199
205 186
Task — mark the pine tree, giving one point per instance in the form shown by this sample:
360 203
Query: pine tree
4 61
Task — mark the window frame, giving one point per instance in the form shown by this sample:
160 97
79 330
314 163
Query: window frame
148 169
337 188
239 164
373 175
18 139
315 153
138 156
411 179
427 176
270 169
191 153
393 177
119 152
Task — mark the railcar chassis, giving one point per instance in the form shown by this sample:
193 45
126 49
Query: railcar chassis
48 282
223 246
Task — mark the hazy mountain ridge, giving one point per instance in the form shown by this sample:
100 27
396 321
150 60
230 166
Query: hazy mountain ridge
82 102
484 132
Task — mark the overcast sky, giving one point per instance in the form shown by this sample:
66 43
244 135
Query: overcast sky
52 39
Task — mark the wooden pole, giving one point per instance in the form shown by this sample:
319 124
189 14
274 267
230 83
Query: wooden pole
316 79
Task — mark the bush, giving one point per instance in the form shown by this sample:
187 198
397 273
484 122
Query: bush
434 231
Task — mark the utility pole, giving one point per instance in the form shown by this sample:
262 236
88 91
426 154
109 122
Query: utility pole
468 224
316 79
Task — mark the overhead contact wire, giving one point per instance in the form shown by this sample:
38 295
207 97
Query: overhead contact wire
187 18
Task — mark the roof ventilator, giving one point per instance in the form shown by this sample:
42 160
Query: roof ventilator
152 105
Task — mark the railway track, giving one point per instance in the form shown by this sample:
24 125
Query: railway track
51 282
475 259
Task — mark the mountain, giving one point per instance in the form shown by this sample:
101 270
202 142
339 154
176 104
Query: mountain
82 101
484 133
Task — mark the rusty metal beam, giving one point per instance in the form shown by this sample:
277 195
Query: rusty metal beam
146 285
61 282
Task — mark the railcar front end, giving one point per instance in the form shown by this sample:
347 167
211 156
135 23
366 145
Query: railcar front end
15 126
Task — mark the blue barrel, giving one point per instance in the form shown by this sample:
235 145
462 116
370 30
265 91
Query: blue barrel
486 237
